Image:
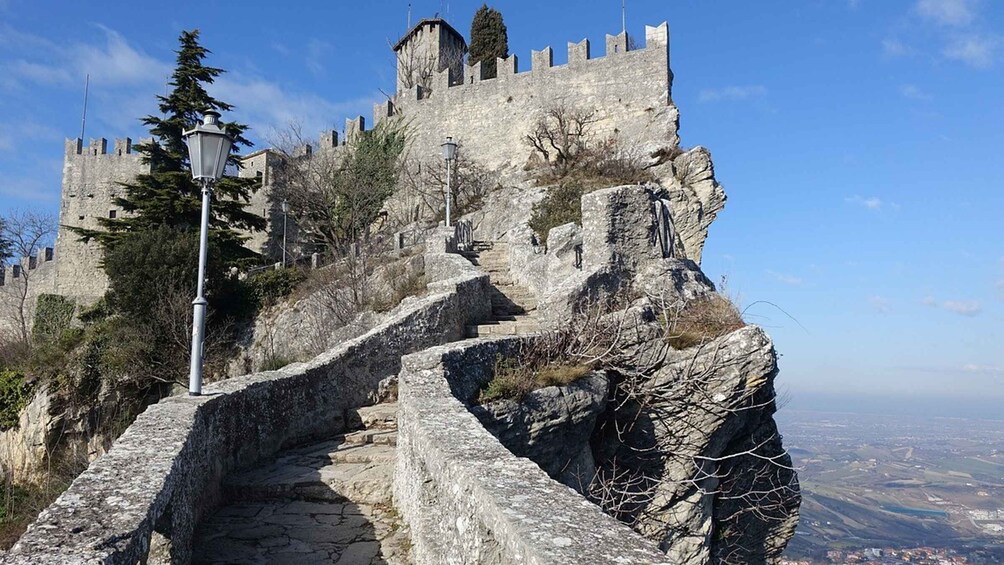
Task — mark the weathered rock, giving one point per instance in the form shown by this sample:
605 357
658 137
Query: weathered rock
618 228
698 414
551 426
695 195
671 281
296 331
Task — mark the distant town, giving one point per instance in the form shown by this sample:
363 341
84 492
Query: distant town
896 489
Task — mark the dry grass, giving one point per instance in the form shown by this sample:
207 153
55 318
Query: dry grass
514 381
700 321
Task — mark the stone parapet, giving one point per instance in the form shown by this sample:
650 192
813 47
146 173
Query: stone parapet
164 473
467 499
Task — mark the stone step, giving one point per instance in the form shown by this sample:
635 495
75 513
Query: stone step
518 326
322 480
380 437
379 416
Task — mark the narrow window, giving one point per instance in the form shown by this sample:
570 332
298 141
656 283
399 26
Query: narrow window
80 217
111 214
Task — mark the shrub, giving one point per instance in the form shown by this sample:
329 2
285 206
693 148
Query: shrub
513 380
270 286
276 362
14 396
700 321
53 314
573 164
561 204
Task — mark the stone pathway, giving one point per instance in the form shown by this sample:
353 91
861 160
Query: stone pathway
513 306
329 502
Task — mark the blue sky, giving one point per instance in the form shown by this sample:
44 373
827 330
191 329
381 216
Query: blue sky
859 142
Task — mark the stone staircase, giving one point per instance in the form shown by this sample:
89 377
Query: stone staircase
329 502
513 306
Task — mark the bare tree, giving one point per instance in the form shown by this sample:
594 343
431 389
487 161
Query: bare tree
561 136
470 183
417 64
26 233
336 194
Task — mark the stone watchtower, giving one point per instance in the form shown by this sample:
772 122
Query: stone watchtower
429 47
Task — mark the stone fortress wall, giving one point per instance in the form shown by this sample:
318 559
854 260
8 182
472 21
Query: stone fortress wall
629 90
91 181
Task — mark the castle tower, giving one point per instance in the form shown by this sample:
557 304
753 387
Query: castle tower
91 181
429 47
265 202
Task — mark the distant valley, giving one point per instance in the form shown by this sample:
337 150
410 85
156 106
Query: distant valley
886 482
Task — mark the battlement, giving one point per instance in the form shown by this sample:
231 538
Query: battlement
542 61
14 272
99 147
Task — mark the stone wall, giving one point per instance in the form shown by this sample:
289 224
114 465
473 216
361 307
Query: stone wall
38 273
467 498
164 472
629 90
91 181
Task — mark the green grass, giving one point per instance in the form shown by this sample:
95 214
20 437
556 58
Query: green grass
514 382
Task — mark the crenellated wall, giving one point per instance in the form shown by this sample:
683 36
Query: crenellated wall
629 90
38 273
91 181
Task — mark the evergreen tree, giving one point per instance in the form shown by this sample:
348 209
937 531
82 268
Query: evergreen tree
489 40
168 196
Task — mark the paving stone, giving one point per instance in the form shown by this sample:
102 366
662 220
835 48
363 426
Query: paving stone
321 503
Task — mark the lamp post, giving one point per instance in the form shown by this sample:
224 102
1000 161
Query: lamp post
449 153
285 212
208 149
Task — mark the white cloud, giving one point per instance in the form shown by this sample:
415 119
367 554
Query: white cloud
114 63
976 50
880 304
785 278
871 202
952 13
963 307
913 92
732 93
317 53
895 48
267 105
960 307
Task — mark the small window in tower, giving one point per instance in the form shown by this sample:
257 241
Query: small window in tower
111 214
259 174
80 217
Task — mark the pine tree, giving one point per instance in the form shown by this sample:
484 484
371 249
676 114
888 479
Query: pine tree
167 196
489 40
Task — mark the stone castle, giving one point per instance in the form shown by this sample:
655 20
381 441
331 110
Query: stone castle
438 96
379 448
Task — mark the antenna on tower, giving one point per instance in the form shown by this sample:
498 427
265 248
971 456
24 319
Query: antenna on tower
83 117
623 16
409 17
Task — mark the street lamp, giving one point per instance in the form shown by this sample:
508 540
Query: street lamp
449 153
285 211
208 149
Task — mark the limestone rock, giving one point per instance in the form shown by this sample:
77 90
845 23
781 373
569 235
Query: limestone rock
551 426
696 418
695 195
670 281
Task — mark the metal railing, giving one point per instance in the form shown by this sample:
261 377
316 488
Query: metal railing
463 235
664 228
